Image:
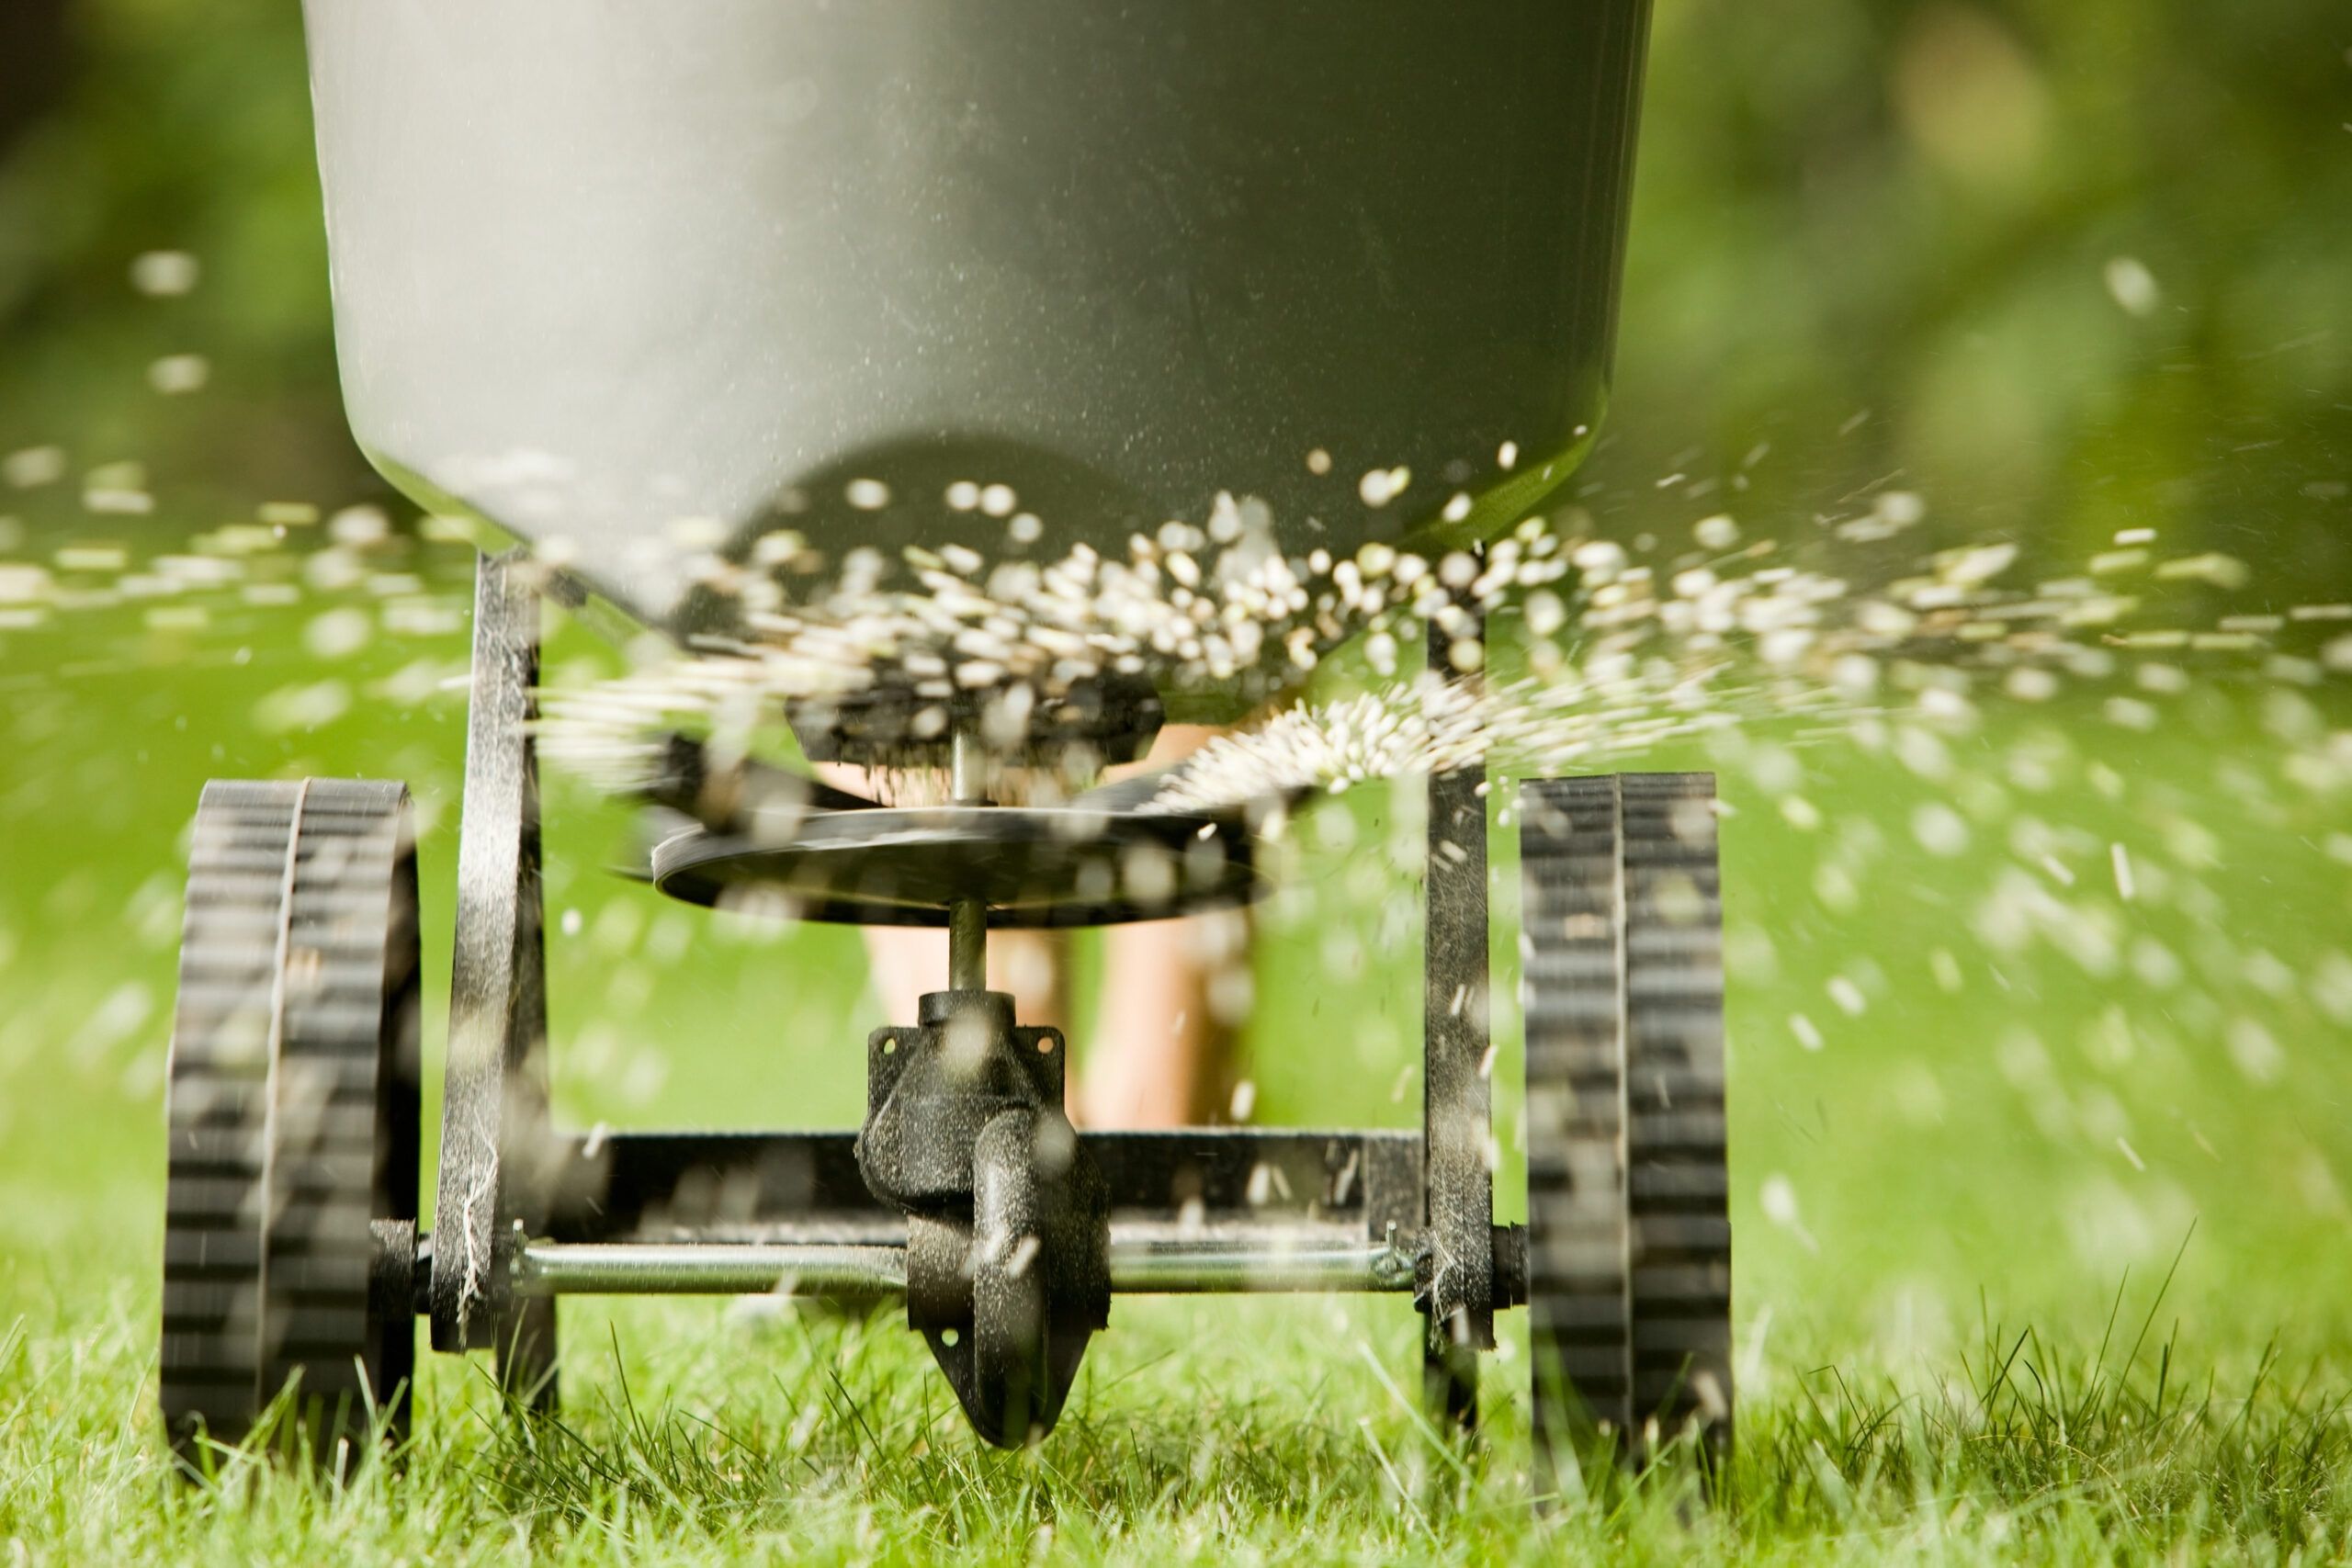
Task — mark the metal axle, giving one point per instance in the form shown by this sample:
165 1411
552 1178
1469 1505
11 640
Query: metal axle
799 1269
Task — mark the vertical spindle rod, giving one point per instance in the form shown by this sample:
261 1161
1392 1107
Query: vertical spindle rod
967 919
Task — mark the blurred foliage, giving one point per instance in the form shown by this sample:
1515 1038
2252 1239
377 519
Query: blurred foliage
2061 266
170 128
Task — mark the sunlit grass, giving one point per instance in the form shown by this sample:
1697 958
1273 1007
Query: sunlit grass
811 1439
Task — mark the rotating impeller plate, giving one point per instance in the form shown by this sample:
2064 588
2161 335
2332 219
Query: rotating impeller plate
1033 866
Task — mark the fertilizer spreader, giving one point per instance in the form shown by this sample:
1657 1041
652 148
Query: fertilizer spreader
643 290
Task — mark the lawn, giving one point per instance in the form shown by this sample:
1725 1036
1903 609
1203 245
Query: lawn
2037 1156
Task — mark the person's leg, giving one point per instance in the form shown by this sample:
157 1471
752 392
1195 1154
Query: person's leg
1174 994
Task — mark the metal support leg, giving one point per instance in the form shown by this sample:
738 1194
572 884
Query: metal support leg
1455 1112
496 1149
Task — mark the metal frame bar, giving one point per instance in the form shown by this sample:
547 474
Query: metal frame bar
1457 1109
1196 1210
753 1187
494 1114
1139 1266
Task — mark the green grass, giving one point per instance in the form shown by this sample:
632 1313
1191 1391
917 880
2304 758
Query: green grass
1287 1437
2027 1099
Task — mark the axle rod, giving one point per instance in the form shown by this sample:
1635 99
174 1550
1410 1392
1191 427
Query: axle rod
1152 1266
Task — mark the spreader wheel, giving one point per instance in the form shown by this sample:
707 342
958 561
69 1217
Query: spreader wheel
1629 1235
293 1110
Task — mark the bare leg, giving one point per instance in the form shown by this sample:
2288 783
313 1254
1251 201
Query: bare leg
1174 994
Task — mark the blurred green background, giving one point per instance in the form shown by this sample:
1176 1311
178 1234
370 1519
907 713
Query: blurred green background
2059 266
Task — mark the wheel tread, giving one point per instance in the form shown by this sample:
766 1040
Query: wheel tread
291 1106
1630 1240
